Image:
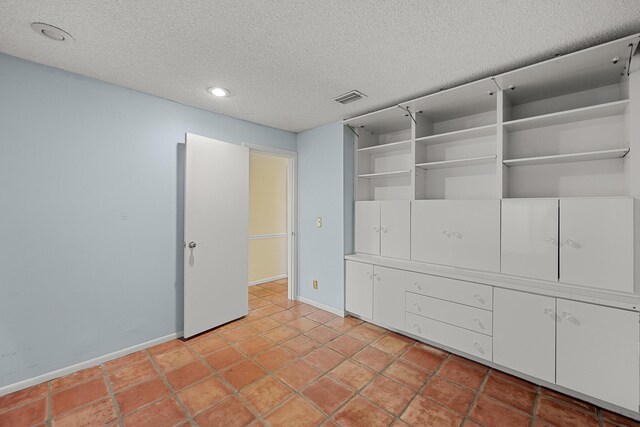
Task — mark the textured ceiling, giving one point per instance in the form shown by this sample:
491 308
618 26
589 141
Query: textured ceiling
284 61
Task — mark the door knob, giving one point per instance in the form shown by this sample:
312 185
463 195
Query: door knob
192 244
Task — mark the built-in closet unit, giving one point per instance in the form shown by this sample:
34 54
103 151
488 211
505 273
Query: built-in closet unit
499 220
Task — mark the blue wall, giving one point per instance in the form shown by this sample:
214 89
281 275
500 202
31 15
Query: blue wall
325 183
90 223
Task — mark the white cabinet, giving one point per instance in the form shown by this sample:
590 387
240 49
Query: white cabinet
395 229
359 289
463 233
530 238
597 352
388 297
524 333
596 238
431 231
367 228
475 233
383 228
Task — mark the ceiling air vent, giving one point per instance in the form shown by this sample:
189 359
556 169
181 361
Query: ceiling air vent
348 97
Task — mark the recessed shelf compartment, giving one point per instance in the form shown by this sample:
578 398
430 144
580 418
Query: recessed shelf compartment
575 115
459 135
457 163
391 174
568 158
386 148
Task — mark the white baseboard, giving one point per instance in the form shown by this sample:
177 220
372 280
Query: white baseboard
268 279
86 364
335 311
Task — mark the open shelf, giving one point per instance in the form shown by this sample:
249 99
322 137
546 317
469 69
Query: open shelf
385 174
386 148
457 163
586 113
458 135
568 158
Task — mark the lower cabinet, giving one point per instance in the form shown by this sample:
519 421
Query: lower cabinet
359 289
376 293
524 333
597 352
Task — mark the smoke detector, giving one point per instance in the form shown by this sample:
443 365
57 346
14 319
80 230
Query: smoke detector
51 32
348 97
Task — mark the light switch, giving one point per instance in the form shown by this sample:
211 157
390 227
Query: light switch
319 221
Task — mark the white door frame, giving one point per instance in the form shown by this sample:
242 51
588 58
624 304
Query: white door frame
292 212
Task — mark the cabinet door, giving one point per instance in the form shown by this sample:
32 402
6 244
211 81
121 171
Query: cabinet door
476 234
530 238
388 297
598 352
431 231
596 238
395 229
359 289
368 228
524 333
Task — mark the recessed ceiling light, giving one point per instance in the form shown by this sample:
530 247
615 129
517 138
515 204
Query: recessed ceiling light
218 91
51 32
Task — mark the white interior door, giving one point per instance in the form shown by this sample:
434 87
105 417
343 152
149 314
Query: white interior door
216 224
530 238
395 233
596 238
368 227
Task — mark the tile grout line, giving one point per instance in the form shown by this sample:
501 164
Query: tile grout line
534 416
172 392
112 396
467 415
49 420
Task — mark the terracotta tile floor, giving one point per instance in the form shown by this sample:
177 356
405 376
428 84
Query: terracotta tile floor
290 364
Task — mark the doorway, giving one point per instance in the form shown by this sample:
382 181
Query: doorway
272 219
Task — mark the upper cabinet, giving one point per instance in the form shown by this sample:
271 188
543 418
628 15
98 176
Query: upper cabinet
461 233
596 238
383 228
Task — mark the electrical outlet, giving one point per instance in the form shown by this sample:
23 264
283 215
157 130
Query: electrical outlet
319 221
315 284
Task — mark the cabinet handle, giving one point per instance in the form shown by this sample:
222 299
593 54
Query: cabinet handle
552 241
417 327
376 229
377 276
549 313
417 306
384 230
572 244
417 285
479 298
446 233
478 347
479 323
457 235
370 275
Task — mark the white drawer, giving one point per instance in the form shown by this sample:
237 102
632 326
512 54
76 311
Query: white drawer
459 291
471 318
469 342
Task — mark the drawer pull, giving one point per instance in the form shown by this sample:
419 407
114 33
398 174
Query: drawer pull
479 298
478 347
479 323
446 233
417 327
570 318
457 235
417 285
384 230
572 244
417 306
